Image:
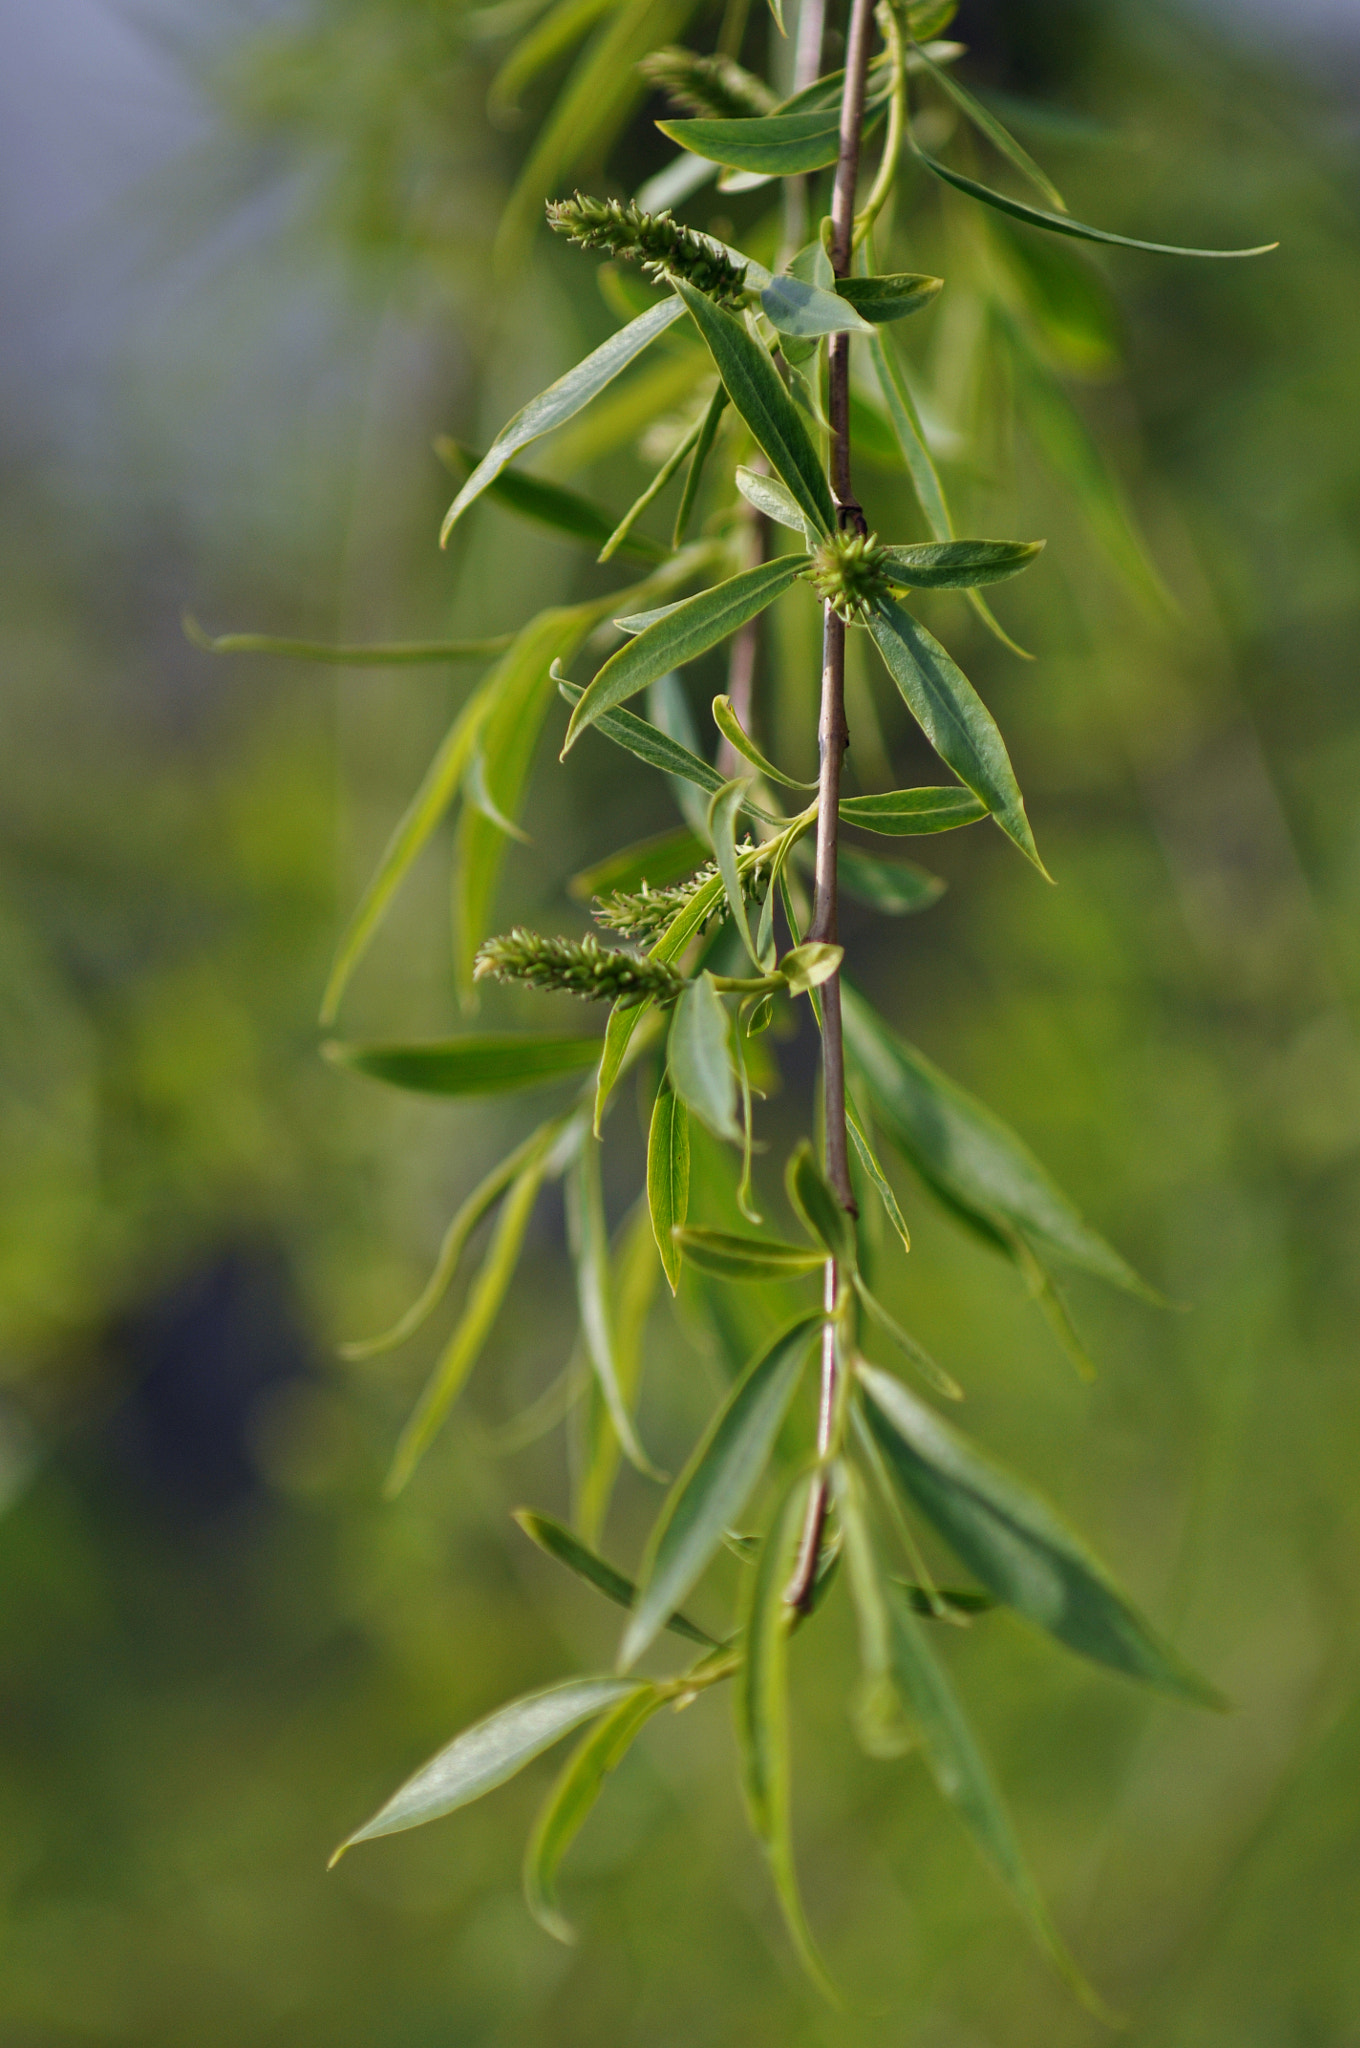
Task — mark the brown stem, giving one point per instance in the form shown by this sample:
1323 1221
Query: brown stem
833 739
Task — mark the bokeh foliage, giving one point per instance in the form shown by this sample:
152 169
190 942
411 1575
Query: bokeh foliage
213 1659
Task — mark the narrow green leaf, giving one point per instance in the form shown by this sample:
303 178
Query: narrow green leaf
816 1206
926 1601
521 689
635 1269
769 496
960 1771
590 1251
723 811
648 743
560 28
668 857
465 1221
925 478
762 1715
571 1799
934 1375
868 1159
464 1347
486 1064
558 1542
440 786
897 887
754 386
732 730
546 504
1063 224
776 145
489 1753
717 1482
668 1176
907 813
879 1723
968 1158
807 966
959 564
953 718
793 306
996 133
730 1256
376 654
562 401
699 1058
1016 1544
621 535
686 631
703 448
880 300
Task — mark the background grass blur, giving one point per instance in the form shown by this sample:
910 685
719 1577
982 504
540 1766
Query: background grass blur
246 257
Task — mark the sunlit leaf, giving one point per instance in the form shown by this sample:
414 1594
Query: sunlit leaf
483 1064
1063 224
562 401
488 1753
793 306
807 966
953 717
723 811
732 730
729 1256
753 384
480 1310
546 504
880 300
699 1058
776 145
762 1715
668 1176
771 497
868 1159
1016 1544
969 1159
959 1769
718 1480
648 743
907 813
558 1542
571 1799
959 564
686 631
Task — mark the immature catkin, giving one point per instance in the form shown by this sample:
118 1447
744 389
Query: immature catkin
664 247
646 912
848 571
581 967
716 86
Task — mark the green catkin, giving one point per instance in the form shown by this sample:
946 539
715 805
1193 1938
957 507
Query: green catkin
579 967
664 247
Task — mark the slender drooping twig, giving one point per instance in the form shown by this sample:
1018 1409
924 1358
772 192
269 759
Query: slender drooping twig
833 739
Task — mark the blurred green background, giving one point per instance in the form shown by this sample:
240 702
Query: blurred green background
245 256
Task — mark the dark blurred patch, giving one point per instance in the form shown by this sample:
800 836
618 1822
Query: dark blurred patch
199 1360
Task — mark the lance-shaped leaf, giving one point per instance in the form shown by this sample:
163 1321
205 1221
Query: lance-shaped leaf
754 387
558 1542
959 1769
772 498
728 1255
487 1064
1016 1544
953 718
464 1347
773 145
703 448
1063 223
686 631
934 1375
996 133
880 1724
906 813
621 535
868 1159
880 300
959 564
590 1251
762 1715
634 1269
489 1753
723 812
668 1176
717 1482
699 1058
562 401
571 1799
732 730
547 504
968 1158
806 311
814 1202
648 743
